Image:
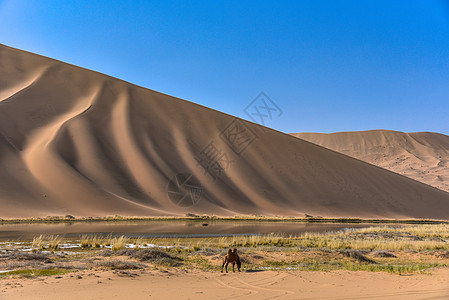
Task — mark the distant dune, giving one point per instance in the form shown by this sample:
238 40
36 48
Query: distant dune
73 141
423 156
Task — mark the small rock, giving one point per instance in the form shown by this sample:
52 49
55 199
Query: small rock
442 254
383 254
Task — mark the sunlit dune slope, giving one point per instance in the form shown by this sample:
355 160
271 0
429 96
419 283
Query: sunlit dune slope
423 156
73 141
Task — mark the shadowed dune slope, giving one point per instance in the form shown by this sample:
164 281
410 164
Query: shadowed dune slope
423 156
73 141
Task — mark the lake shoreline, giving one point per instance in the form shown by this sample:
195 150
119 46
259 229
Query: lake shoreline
65 219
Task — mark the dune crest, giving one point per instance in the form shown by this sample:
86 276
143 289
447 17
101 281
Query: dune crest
422 156
73 141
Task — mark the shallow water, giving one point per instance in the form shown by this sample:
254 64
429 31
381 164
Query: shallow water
149 229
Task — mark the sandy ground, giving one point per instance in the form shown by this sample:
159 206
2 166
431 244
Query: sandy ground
179 284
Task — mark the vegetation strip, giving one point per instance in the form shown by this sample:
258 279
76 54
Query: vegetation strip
405 249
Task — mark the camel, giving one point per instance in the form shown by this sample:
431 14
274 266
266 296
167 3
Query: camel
232 257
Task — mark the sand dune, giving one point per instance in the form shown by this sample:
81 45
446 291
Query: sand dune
73 141
423 156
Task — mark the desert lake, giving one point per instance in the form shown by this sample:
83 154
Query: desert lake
151 229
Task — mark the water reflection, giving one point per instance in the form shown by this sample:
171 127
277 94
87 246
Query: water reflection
148 229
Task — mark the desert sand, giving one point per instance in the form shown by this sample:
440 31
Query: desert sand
178 284
422 156
74 141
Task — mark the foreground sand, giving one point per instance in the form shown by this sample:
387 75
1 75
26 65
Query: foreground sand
181 284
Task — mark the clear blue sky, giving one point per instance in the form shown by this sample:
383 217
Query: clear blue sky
328 65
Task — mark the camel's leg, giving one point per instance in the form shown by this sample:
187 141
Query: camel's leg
224 262
226 266
239 264
233 266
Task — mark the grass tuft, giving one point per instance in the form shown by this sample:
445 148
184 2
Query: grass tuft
43 242
118 243
28 273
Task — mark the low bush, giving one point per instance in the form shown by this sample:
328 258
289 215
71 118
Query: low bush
117 264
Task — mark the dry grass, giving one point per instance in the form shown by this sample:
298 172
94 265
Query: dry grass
38 243
91 241
139 243
54 241
118 243
255 240
425 230
408 237
31 273
430 237
411 248
44 242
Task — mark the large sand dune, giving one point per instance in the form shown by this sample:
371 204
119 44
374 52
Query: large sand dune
73 141
423 156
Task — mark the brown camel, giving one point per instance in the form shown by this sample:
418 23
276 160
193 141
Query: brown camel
232 257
